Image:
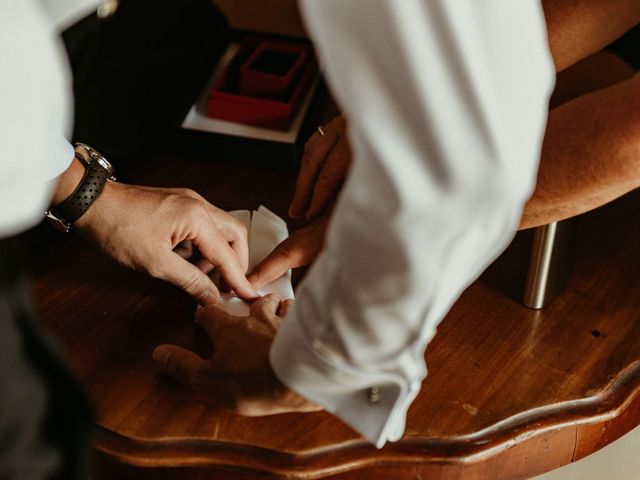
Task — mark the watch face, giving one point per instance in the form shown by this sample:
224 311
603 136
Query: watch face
89 155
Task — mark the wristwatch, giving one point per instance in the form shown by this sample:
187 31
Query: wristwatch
98 171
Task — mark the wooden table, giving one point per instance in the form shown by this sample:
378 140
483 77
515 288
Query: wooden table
511 392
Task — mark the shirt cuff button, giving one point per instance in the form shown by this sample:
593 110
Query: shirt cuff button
373 395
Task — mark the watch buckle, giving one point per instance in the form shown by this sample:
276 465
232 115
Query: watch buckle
60 225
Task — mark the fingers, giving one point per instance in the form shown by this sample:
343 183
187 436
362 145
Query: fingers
205 265
264 306
315 154
183 365
241 247
212 318
233 230
285 306
189 369
330 180
188 277
216 250
264 310
300 249
184 249
276 264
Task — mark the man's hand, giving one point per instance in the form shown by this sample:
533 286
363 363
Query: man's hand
325 165
299 249
238 377
152 229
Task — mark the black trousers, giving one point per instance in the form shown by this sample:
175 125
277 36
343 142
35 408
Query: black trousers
44 416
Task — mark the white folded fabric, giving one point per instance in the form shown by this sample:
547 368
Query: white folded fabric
266 230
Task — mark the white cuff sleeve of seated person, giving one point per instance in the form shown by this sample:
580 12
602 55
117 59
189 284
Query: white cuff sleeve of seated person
374 405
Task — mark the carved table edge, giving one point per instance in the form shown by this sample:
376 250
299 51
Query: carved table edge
619 395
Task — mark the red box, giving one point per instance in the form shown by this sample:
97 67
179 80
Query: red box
227 102
272 69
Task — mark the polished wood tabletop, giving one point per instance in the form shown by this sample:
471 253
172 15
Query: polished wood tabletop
511 392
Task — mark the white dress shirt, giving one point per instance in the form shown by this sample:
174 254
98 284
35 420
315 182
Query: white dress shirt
35 106
447 104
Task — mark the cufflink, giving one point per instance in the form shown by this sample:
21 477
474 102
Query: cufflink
373 395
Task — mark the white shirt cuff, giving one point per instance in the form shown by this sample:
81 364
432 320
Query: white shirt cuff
374 405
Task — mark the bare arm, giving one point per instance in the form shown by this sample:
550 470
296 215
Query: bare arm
590 155
579 28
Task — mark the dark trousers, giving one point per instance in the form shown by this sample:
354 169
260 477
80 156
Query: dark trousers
44 417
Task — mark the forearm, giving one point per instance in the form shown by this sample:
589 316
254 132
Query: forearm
590 156
579 28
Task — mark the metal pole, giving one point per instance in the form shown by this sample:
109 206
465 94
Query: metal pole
537 286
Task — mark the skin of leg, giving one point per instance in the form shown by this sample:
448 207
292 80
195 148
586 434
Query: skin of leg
591 150
580 28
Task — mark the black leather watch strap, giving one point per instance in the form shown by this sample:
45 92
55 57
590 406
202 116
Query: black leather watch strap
90 187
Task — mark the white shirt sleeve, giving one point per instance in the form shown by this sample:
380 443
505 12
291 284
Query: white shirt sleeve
63 13
447 104
35 108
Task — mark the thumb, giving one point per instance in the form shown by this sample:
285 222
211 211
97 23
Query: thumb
182 364
189 278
